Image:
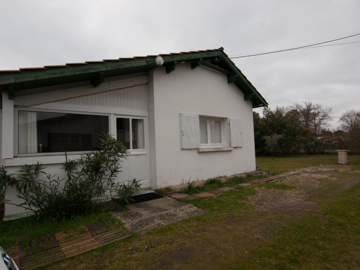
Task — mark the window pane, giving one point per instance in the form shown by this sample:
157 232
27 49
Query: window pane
215 131
137 134
44 132
123 131
203 132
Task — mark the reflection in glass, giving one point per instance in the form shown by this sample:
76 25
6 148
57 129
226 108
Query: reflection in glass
138 134
45 132
215 131
123 131
203 132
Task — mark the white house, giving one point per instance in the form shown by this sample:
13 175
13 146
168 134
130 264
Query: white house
182 116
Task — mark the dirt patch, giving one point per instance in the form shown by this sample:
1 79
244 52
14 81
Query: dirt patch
310 183
284 201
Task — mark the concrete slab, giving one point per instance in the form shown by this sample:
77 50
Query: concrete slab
144 216
241 185
225 188
215 191
179 196
203 194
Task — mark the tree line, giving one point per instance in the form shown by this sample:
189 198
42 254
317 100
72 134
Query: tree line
304 127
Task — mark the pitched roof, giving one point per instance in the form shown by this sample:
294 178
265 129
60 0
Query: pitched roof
27 78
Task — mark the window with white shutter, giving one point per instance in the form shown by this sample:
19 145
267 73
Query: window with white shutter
189 131
236 137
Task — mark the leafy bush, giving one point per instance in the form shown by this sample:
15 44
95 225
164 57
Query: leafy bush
87 178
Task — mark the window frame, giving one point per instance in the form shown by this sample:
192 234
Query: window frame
16 130
208 119
131 150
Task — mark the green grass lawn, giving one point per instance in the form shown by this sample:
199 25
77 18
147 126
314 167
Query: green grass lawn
280 165
232 234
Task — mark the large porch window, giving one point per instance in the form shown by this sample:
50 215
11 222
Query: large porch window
48 132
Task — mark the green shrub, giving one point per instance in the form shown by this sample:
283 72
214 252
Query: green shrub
87 178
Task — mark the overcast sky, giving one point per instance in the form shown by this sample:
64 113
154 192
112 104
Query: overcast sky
42 32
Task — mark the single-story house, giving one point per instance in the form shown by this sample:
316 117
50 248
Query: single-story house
182 116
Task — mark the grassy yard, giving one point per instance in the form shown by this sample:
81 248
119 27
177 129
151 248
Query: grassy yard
233 234
284 164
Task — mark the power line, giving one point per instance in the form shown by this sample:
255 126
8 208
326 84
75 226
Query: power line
295 48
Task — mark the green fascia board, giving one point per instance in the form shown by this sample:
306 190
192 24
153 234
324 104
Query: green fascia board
244 84
32 78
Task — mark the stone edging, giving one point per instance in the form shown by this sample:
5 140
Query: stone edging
211 193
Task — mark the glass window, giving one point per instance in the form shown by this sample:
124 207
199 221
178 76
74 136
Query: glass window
123 131
215 131
203 131
210 131
46 132
138 134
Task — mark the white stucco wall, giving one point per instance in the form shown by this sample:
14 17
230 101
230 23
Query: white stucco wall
204 92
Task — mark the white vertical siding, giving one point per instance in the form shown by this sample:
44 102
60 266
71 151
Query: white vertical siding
131 98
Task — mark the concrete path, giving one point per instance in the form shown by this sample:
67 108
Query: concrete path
144 216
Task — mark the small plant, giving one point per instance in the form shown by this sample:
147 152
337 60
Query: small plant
212 184
125 192
236 180
191 189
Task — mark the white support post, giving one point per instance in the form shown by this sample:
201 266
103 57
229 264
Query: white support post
112 126
7 146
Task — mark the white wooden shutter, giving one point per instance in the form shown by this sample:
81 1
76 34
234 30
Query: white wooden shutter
189 131
236 136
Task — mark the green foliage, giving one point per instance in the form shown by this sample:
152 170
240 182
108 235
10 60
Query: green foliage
209 184
125 191
236 180
87 178
283 122
191 189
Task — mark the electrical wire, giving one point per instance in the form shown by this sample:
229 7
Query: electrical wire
295 48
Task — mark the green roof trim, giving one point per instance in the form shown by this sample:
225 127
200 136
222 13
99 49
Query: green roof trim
95 72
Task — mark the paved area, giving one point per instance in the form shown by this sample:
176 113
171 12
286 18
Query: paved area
142 217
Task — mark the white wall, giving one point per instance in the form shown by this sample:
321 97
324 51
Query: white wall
204 92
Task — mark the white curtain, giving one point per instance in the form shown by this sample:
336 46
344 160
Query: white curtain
215 131
27 132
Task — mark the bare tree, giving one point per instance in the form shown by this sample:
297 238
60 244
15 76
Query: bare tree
350 120
350 123
313 116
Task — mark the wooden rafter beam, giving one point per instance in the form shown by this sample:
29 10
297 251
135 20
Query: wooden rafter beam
248 96
232 78
216 68
97 79
11 91
195 64
170 67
